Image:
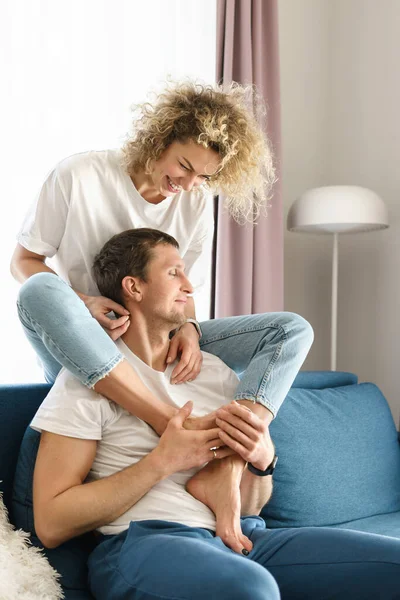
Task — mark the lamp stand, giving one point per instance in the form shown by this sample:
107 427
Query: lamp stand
335 259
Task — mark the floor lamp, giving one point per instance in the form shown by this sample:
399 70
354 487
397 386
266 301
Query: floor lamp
337 209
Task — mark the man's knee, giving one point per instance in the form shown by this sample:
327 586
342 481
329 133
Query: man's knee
256 584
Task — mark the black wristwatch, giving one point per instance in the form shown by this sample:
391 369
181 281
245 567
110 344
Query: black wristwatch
268 471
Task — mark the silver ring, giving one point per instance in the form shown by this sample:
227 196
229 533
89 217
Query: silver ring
214 452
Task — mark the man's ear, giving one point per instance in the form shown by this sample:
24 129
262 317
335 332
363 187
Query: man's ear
132 288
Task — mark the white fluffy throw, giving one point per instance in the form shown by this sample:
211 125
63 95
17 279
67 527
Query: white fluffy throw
25 573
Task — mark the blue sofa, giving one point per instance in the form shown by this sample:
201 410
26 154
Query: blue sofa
339 464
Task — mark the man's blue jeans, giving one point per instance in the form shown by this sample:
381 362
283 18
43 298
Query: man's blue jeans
265 350
156 560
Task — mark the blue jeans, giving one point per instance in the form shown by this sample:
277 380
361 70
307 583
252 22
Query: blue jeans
265 350
156 560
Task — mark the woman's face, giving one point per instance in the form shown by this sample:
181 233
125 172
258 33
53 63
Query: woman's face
184 166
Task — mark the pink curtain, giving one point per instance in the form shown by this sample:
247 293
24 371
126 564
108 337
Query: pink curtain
249 259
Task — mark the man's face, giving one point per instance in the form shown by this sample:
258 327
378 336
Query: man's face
184 166
164 294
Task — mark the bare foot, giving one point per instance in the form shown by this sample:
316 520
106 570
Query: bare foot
218 486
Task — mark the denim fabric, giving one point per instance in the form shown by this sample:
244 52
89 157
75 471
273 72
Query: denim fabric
266 349
63 332
157 559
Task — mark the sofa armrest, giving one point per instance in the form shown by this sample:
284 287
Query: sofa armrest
18 405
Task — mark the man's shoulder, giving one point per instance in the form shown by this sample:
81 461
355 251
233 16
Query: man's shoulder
68 391
72 409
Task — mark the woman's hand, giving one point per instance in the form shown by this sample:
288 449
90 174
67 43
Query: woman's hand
99 307
205 422
186 344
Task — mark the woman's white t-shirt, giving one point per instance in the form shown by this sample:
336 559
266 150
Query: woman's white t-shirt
73 410
88 197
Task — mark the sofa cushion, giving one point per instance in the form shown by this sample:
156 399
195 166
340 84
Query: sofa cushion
70 558
339 457
318 380
388 524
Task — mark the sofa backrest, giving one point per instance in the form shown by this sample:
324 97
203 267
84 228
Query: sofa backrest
339 457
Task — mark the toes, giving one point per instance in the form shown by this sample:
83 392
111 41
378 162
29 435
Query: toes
237 542
246 544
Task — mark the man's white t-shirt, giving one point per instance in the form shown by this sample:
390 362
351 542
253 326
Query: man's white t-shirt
73 410
88 197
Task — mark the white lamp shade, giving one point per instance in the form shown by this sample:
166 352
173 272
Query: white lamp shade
338 209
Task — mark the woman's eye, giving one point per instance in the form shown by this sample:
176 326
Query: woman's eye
183 167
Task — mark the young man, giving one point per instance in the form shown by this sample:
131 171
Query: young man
99 467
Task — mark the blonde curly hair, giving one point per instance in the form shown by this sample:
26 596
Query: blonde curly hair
225 118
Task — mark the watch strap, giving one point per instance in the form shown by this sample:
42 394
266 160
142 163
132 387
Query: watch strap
268 471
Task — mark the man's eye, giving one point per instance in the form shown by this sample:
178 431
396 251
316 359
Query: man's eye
174 273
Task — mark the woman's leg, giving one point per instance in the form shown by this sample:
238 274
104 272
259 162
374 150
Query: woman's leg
159 559
64 333
265 350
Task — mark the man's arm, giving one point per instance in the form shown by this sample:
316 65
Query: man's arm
65 506
255 492
245 429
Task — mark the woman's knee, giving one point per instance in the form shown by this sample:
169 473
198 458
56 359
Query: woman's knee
297 327
34 289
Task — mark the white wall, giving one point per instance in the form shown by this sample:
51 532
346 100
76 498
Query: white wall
340 99
70 71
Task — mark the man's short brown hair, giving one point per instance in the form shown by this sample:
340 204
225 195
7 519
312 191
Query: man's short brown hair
126 254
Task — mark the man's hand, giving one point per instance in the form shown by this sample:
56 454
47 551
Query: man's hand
246 434
180 449
186 344
99 307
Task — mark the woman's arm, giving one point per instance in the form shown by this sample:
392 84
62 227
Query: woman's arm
25 263
122 385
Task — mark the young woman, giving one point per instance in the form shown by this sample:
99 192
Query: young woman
192 141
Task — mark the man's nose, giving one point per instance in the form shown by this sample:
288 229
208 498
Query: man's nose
187 286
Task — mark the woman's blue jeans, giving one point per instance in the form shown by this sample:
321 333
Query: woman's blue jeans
265 350
159 560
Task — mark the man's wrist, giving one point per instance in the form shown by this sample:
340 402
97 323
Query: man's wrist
158 465
263 472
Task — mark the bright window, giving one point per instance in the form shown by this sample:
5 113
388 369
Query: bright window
71 70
